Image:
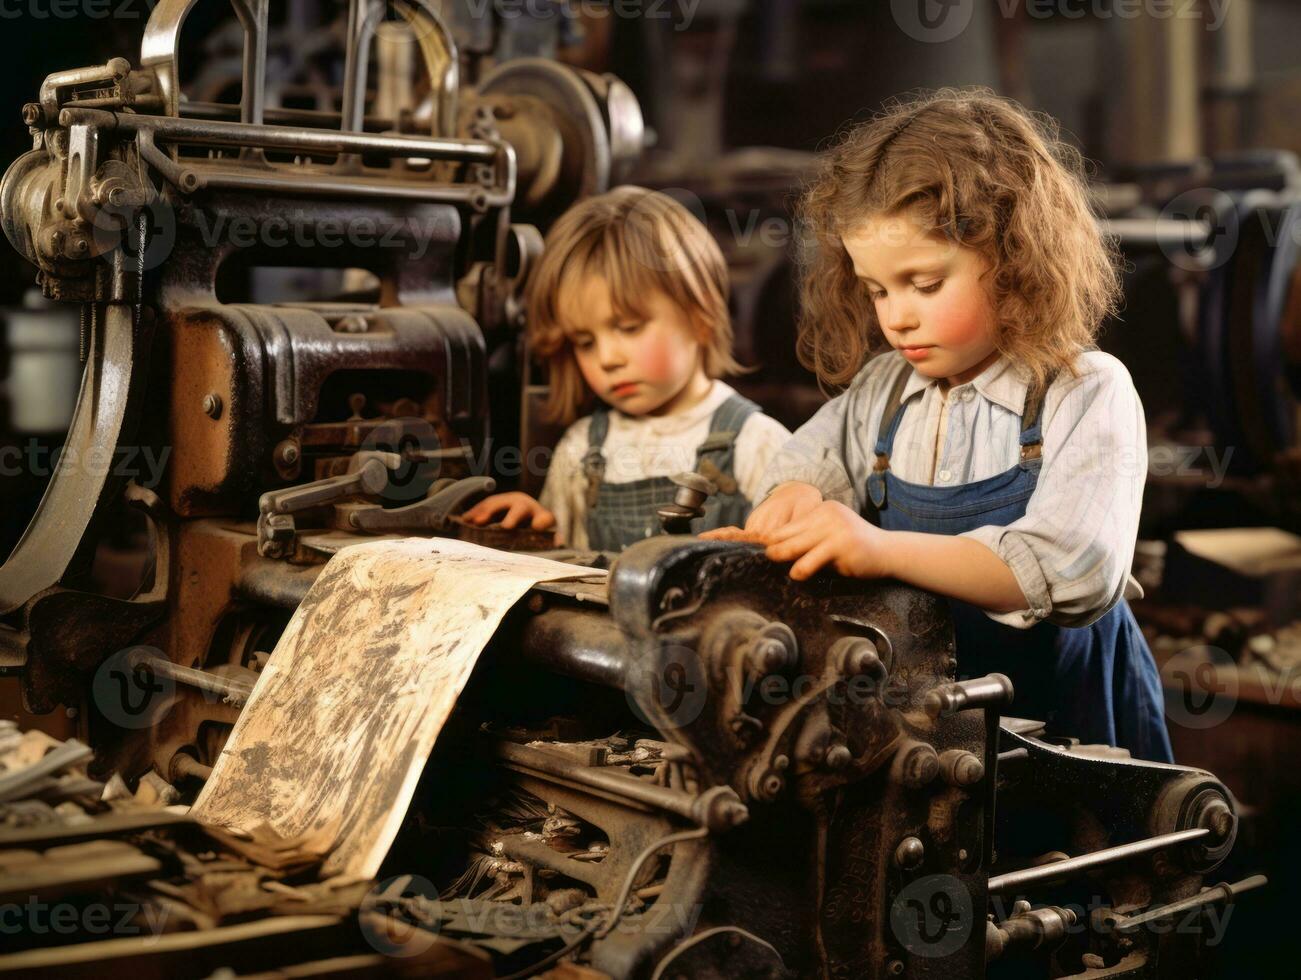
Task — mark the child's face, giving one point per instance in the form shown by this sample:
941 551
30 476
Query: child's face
640 365
928 296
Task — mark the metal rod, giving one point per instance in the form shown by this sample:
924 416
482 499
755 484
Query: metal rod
352 187
1223 892
580 643
237 692
311 118
1085 862
214 132
539 760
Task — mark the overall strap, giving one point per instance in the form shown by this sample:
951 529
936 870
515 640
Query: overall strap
593 459
1032 420
890 419
714 454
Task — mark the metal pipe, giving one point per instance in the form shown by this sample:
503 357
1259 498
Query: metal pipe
1086 862
716 807
579 643
310 118
1189 235
216 132
1223 892
237 692
353 187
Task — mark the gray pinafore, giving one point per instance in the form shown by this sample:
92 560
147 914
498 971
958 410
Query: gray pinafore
620 514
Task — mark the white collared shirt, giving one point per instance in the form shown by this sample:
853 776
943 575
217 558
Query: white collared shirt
641 446
1071 552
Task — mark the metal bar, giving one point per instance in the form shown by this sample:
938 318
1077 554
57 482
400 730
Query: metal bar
310 118
537 852
1097 859
1223 892
214 132
353 187
236 691
621 784
579 643
1159 232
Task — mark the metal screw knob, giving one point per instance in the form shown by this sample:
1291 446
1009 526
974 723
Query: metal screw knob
910 853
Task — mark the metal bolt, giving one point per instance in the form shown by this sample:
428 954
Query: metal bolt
212 405
781 762
858 657
916 765
961 768
286 453
910 853
894 968
838 757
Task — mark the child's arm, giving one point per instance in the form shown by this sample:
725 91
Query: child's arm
1068 558
832 534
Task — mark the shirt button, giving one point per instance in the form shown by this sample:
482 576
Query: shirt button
945 475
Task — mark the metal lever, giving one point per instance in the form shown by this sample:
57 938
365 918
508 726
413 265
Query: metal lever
688 502
430 514
369 474
991 692
1223 893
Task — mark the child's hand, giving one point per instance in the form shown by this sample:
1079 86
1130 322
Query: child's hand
788 503
520 508
831 534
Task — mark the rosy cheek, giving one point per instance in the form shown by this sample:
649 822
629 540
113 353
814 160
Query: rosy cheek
961 324
655 359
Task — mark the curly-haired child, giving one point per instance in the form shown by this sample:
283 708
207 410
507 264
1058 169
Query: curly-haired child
990 454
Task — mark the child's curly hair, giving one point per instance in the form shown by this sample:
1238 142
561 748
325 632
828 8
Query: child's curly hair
988 174
639 241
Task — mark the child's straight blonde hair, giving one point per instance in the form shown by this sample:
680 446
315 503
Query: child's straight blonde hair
987 174
639 241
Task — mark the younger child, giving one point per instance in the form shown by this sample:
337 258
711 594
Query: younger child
991 455
629 306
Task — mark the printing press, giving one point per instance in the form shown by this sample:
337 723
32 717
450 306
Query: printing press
690 767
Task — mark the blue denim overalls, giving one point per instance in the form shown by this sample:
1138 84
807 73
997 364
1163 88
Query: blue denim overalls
1097 683
620 514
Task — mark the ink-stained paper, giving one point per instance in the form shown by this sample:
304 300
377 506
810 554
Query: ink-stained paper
347 709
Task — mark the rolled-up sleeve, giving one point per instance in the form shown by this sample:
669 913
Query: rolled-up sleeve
1071 552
